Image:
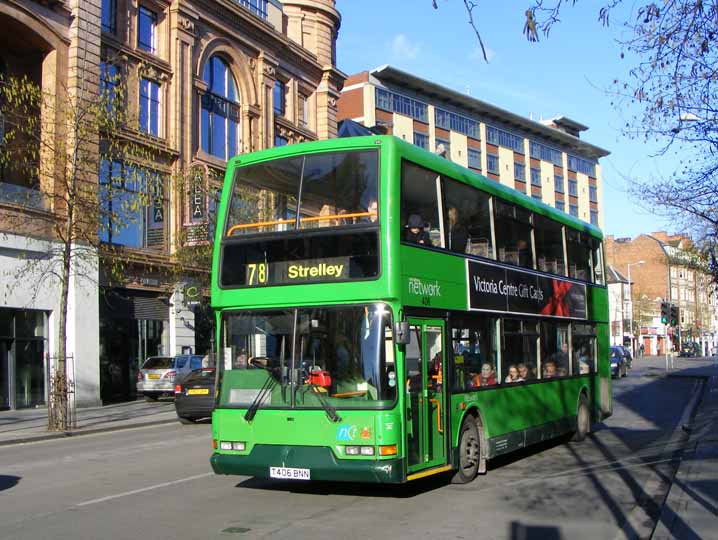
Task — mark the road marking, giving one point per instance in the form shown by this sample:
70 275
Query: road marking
142 490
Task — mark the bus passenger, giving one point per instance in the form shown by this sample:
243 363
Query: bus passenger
458 235
523 372
415 231
549 369
373 209
487 377
513 375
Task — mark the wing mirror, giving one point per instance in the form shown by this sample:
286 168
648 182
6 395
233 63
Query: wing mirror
401 333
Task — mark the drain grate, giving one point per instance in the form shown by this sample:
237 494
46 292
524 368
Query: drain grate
236 530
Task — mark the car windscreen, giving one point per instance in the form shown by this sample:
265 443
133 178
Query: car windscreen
158 362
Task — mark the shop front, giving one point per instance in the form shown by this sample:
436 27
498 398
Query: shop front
133 326
23 353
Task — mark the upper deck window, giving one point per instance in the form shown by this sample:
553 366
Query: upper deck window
578 246
420 219
332 189
548 235
513 234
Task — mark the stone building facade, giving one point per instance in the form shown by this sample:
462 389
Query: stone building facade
55 45
206 80
546 160
670 272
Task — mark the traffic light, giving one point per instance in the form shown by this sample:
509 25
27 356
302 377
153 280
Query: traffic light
674 315
665 312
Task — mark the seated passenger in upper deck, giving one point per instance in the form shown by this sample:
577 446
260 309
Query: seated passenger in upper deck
415 232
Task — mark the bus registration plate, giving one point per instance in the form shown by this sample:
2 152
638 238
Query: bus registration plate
289 473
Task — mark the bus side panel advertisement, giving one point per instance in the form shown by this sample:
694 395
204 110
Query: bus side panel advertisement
494 288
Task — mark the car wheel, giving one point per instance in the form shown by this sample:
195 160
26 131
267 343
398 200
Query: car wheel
186 420
150 397
583 420
469 452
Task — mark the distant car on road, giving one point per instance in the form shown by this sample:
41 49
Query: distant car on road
194 395
626 355
618 362
156 377
690 349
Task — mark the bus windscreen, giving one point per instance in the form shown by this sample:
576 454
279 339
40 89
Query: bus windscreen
332 189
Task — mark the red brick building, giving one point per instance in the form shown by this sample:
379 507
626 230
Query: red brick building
663 267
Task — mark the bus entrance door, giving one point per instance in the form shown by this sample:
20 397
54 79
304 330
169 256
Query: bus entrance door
425 396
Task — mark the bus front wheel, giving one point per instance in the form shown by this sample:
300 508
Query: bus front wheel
583 420
469 452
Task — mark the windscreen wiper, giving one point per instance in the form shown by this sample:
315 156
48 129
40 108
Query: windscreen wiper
265 390
331 411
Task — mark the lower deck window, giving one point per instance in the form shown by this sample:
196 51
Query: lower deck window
490 351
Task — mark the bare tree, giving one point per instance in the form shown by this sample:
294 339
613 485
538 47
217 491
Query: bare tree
57 144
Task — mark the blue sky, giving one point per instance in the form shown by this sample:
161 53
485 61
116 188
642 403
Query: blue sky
567 74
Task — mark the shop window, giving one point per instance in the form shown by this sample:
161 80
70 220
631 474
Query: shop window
133 206
219 124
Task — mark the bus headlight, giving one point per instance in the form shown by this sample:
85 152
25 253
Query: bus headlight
359 450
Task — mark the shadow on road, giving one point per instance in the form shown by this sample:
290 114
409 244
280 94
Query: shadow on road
401 491
8 481
519 531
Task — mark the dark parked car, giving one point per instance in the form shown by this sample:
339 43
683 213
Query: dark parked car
627 356
194 395
690 349
619 368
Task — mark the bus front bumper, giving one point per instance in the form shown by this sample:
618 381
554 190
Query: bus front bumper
320 461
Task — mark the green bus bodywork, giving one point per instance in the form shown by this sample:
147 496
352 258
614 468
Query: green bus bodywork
509 417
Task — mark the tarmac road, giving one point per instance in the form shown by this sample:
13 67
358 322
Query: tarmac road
155 482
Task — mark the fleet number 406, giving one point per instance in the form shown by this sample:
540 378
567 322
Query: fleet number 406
257 273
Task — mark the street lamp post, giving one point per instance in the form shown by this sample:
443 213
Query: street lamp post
630 298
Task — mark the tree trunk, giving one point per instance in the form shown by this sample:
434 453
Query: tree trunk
59 385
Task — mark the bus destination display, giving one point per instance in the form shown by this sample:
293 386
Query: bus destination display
300 271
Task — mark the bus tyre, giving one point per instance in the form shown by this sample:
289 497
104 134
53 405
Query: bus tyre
469 452
583 420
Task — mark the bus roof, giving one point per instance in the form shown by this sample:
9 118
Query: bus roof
421 157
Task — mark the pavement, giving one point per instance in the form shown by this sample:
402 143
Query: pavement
30 425
689 511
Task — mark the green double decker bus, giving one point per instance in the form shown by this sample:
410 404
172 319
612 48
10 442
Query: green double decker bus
384 315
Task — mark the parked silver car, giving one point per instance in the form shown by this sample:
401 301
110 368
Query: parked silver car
157 375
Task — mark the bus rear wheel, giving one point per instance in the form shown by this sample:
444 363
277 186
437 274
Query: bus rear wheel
583 420
469 452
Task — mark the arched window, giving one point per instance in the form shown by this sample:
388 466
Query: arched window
220 110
